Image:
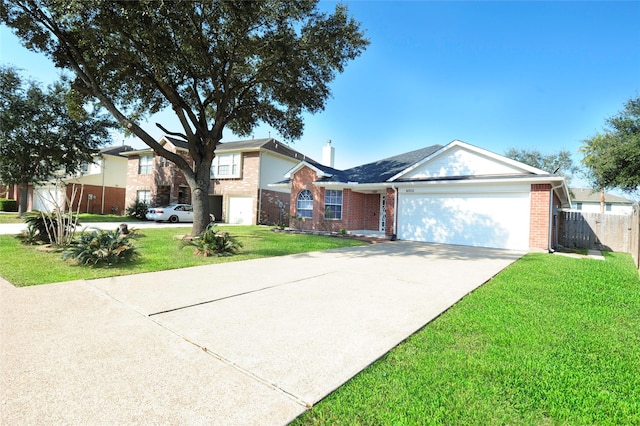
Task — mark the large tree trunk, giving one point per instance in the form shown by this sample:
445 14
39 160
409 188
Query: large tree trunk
23 193
200 200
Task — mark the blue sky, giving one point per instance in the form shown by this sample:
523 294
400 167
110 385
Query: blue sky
493 74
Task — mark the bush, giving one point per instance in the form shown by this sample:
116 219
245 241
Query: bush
101 248
8 205
41 227
138 210
214 243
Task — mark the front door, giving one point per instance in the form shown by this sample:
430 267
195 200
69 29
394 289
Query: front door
383 213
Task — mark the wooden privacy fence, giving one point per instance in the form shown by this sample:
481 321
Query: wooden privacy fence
610 232
634 246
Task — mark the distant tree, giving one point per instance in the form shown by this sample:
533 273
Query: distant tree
217 64
40 134
559 162
613 156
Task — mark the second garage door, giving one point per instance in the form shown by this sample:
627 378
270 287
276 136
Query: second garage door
499 220
241 210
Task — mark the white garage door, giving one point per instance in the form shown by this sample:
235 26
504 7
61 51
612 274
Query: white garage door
241 210
48 198
479 219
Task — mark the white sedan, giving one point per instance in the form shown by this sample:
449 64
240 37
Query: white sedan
172 213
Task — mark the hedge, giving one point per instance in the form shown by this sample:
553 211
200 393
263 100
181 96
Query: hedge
8 205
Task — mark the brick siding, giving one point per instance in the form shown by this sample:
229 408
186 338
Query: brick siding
359 211
390 210
113 199
274 207
539 217
166 183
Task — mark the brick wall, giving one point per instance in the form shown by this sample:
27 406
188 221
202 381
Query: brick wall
303 179
390 210
164 176
113 199
274 208
539 217
359 211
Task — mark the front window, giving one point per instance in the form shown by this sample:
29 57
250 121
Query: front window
146 162
304 205
578 206
226 166
144 197
607 207
332 204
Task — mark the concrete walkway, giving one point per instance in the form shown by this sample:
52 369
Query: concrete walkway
253 342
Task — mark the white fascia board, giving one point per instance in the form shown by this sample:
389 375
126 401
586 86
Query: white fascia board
280 185
302 164
528 179
484 152
137 152
354 186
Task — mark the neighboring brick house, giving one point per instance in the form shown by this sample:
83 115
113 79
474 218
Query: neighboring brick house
453 194
240 176
103 185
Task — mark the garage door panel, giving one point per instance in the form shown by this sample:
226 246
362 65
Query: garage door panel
480 220
240 210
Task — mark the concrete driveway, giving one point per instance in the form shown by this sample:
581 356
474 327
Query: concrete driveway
253 342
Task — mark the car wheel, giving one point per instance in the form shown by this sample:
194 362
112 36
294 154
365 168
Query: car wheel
173 219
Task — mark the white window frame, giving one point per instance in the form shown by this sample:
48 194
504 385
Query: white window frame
143 196
145 165
227 166
304 204
333 204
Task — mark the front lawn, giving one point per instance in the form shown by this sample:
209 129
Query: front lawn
551 340
82 218
24 265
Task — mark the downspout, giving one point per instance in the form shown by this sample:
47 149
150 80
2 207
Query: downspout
104 166
394 234
259 187
551 250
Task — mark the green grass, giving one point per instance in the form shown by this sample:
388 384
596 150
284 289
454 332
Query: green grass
551 340
83 218
24 265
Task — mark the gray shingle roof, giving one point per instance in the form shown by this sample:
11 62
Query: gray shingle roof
115 150
268 144
381 170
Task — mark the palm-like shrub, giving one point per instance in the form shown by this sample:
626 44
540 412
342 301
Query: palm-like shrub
101 248
213 242
45 227
138 210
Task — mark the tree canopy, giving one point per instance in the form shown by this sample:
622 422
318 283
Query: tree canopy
559 162
40 135
216 64
613 156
